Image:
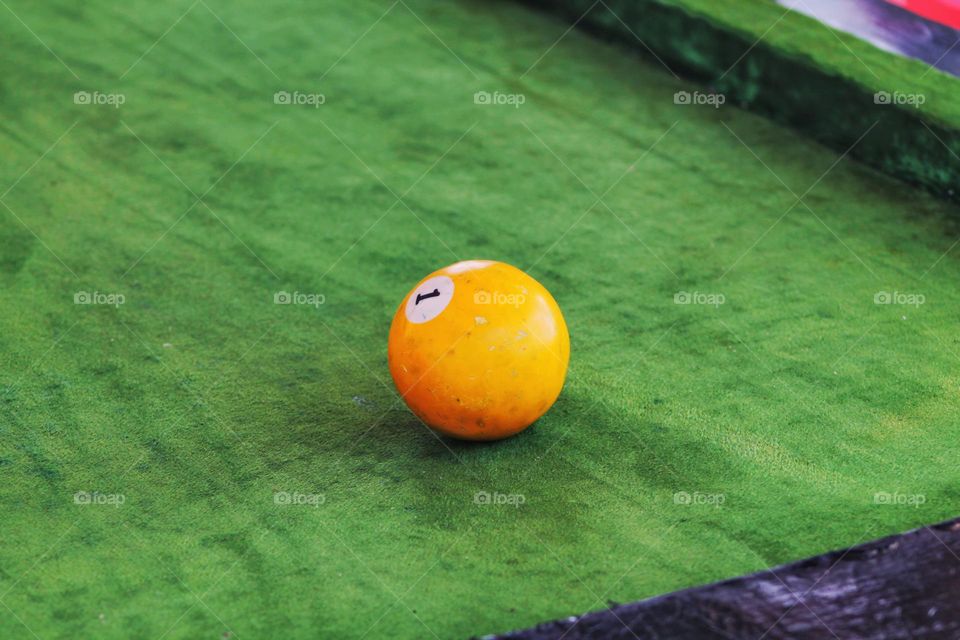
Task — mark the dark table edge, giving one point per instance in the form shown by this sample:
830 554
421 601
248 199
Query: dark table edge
900 586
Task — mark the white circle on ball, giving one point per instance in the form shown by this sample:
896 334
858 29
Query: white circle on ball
429 299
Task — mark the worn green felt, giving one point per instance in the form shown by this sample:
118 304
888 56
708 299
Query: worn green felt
782 412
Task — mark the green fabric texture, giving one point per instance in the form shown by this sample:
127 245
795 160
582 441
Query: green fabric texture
199 461
789 67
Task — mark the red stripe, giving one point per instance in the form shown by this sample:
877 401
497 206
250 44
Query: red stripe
943 11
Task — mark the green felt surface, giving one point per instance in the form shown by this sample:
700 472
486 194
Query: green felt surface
199 399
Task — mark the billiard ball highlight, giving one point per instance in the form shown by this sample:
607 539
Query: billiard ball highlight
479 350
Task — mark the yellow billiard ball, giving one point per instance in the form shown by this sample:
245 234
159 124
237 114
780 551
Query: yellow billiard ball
478 350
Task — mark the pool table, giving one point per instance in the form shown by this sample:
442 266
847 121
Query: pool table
211 210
